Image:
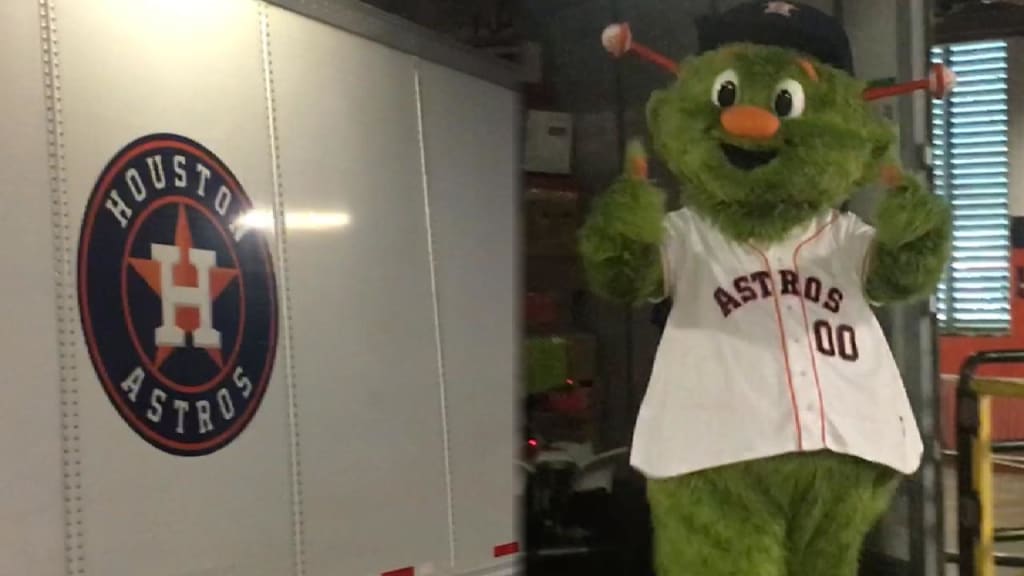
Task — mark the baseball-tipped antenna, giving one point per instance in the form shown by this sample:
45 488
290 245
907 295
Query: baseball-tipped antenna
940 82
618 40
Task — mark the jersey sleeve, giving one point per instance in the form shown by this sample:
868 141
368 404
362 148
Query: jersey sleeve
671 256
857 239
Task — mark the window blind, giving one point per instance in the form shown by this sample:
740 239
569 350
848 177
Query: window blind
970 161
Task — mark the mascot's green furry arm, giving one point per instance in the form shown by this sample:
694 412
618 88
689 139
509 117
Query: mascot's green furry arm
913 244
621 242
622 237
775 425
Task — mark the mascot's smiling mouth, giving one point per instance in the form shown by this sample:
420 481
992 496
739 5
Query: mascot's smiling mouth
747 159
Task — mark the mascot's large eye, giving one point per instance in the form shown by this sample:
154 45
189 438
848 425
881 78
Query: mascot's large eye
789 99
726 89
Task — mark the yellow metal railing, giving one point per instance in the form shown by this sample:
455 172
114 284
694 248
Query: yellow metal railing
977 533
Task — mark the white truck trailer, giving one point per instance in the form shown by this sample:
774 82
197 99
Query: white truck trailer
260 284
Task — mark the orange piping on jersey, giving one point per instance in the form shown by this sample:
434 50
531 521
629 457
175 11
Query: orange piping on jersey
666 284
785 352
864 265
807 326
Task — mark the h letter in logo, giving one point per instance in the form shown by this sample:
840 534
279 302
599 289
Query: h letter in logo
173 296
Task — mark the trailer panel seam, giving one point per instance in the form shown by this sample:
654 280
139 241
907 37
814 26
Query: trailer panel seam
65 296
298 521
441 372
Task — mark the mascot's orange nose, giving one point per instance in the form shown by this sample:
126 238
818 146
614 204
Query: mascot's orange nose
750 122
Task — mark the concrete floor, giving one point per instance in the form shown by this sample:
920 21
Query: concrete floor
1009 490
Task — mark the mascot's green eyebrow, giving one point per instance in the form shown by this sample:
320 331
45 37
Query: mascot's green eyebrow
804 63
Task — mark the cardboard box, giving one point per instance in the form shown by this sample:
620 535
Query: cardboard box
548 311
552 222
547 364
560 361
548 146
572 402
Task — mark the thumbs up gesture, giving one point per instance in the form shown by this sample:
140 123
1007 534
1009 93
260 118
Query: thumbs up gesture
620 242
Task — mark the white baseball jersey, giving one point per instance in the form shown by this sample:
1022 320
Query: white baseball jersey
771 350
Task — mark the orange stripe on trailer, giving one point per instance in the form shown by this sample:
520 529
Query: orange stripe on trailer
506 549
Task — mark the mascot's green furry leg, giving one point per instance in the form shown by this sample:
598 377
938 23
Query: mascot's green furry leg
721 522
841 500
795 515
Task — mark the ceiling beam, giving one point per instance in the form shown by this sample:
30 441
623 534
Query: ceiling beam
967 21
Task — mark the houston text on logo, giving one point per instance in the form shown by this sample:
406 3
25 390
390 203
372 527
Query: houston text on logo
178 300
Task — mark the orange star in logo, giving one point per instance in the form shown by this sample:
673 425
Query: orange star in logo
185 275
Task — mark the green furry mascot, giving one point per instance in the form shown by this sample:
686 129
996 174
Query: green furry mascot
775 427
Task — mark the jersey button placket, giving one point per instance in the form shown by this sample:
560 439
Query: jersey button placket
803 383
774 262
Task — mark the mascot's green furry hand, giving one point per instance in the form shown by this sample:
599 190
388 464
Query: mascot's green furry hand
622 237
912 242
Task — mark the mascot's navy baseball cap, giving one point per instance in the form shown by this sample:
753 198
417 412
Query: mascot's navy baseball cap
790 25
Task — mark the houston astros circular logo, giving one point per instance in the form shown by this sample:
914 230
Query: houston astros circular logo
177 297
